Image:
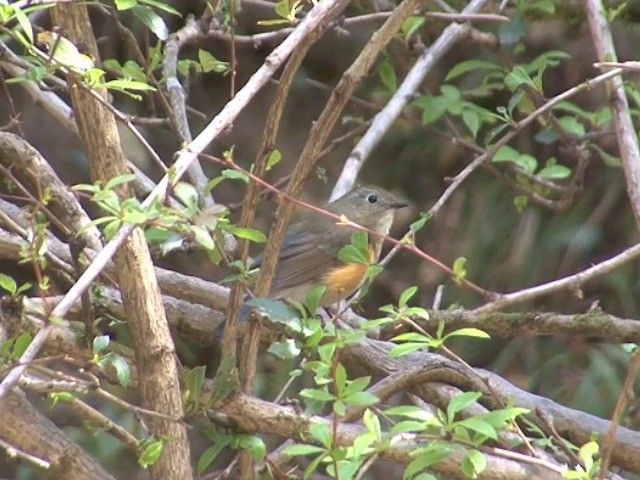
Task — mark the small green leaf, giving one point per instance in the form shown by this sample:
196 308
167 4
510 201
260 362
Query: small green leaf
24 23
202 237
162 6
419 224
521 202
459 269
388 76
125 4
518 76
152 20
188 195
411 25
194 381
361 399
247 233
209 455
471 66
407 295
151 454
210 63
316 394
119 180
8 283
252 444
274 159
285 350
473 464
460 402
554 172
405 348
300 450
100 343
468 332
472 120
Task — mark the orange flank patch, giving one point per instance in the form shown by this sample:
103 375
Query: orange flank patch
344 280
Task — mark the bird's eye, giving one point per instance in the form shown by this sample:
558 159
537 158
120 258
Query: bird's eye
372 198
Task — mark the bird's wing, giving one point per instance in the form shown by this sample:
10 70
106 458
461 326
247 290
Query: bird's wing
306 255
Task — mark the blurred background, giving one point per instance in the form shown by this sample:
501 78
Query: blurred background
506 248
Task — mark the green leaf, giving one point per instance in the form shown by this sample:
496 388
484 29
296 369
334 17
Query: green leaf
124 84
361 399
300 450
509 154
460 402
407 426
521 202
518 76
432 108
407 295
210 63
554 172
425 457
404 349
419 224
247 233
278 312
372 423
468 332
322 433
472 120
162 6
388 76
573 126
459 269
409 411
8 283
411 25
480 426
151 454
65 53
608 159
125 4
285 350
471 66
512 32
100 343
194 381
316 394
209 455
202 237
151 20
188 195
473 464
24 23
119 180
122 368
274 159
252 444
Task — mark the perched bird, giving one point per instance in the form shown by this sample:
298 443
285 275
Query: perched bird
309 253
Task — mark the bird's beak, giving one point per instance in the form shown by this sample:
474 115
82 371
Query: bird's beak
398 204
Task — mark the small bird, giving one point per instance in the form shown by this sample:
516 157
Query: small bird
309 253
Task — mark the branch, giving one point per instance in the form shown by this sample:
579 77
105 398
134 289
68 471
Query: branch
392 110
255 415
571 281
37 436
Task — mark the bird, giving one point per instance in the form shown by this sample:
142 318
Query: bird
309 255
309 252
